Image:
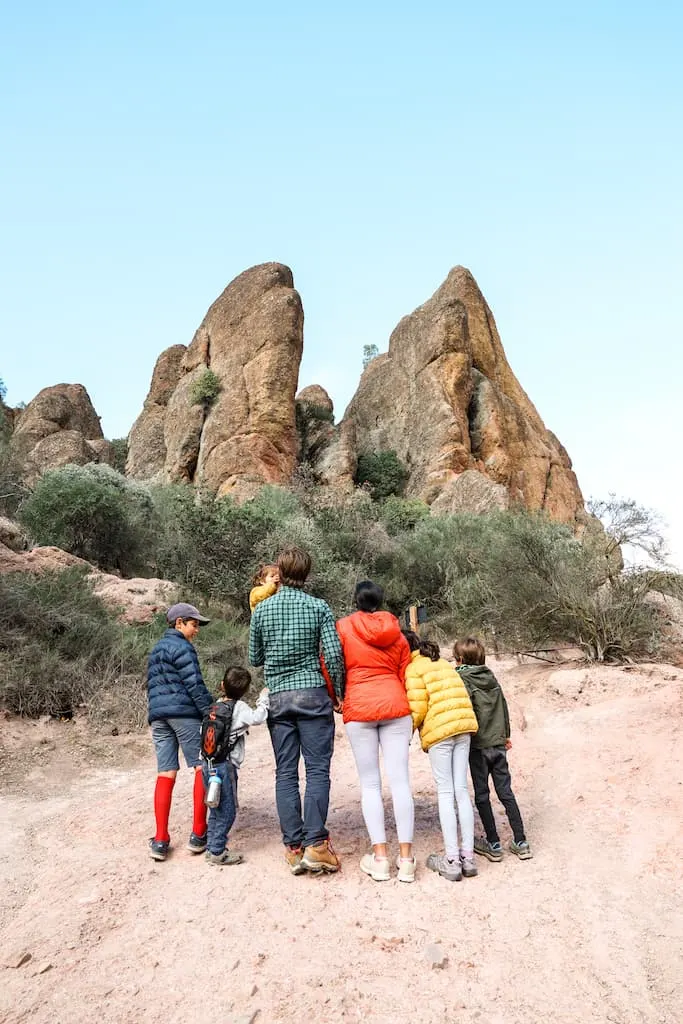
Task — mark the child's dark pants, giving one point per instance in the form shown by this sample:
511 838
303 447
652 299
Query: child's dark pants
221 818
493 761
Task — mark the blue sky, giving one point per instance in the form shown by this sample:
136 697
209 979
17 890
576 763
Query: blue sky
152 151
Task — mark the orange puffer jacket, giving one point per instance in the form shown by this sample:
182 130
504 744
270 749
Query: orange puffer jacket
376 656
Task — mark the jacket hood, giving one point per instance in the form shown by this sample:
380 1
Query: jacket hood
479 675
379 629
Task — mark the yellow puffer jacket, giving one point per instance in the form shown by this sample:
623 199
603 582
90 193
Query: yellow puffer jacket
261 593
439 702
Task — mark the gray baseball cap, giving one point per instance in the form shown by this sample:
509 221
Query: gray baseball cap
185 611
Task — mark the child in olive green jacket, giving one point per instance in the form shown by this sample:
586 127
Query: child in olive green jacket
488 751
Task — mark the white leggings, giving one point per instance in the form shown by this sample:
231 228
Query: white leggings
393 736
449 760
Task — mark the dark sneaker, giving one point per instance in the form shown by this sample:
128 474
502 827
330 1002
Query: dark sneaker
196 844
321 858
448 869
225 859
294 856
521 850
492 851
158 849
469 868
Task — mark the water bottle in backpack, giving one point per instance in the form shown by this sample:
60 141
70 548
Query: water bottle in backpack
213 790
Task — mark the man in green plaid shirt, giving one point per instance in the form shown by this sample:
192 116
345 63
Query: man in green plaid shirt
289 633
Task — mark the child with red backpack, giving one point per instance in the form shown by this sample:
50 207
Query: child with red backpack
224 726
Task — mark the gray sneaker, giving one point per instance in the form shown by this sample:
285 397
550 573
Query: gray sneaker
448 869
469 868
224 859
521 850
196 844
492 851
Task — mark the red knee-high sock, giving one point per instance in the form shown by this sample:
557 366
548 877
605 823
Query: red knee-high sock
163 794
199 816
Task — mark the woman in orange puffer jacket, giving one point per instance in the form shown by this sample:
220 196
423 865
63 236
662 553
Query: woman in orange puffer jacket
377 715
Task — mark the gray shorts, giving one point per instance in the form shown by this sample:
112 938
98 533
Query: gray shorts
169 734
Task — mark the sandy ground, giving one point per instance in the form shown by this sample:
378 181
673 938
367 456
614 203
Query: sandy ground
591 929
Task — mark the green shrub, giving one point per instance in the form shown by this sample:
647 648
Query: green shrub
120 450
383 472
401 514
93 512
205 389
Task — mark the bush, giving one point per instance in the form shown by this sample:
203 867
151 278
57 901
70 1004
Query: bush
93 512
205 389
383 472
120 449
402 514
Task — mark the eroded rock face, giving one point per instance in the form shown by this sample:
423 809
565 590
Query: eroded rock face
252 339
314 422
60 426
446 400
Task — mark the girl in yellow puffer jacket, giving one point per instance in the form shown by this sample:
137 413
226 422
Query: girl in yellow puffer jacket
443 714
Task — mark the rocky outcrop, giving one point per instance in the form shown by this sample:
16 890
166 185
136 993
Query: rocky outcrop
59 427
252 340
135 601
446 400
314 422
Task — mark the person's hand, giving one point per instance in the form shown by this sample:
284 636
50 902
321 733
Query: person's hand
338 707
508 744
265 692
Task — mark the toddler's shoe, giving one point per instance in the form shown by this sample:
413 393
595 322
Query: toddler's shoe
294 856
321 858
492 851
406 868
225 859
469 868
196 844
521 850
448 869
376 867
158 849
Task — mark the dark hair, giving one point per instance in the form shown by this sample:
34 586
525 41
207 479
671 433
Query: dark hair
294 565
368 596
470 651
236 681
262 572
426 648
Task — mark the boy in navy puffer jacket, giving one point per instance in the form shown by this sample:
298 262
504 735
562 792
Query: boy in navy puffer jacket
178 699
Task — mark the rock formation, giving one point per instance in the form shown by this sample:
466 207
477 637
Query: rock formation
445 399
58 427
252 340
314 422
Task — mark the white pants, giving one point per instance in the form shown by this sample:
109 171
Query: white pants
449 760
393 736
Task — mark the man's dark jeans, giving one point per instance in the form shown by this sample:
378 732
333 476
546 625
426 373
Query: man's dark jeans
493 761
302 722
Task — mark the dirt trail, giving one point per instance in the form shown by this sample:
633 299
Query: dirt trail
590 930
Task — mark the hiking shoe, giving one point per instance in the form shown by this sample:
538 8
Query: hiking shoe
225 859
406 868
469 868
376 867
449 869
158 849
294 856
321 858
521 850
492 851
196 844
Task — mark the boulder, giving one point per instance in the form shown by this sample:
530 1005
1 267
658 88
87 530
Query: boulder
59 427
446 400
314 423
11 535
252 339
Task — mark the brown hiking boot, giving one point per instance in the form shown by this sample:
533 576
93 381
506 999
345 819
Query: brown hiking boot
293 856
321 858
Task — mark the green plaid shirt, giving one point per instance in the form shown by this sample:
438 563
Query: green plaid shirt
289 632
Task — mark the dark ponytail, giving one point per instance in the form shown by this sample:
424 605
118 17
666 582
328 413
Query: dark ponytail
427 648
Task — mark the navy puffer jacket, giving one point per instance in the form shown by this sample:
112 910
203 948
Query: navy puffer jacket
175 687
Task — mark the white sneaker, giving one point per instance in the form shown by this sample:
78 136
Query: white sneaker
406 868
376 867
